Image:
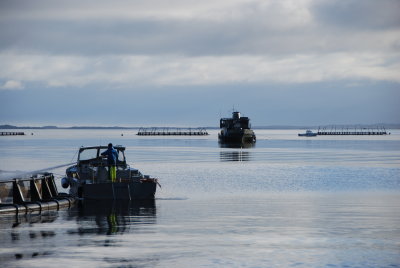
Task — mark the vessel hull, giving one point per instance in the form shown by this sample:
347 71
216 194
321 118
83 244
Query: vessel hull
237 136
308 135
119 191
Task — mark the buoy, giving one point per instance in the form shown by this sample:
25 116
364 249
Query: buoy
65 183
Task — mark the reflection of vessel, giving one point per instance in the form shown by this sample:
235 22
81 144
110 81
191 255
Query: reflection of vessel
89 177
239 156
236 130
111 217
308 133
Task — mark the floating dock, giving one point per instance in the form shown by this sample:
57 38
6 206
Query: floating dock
352 131
7 133
39 193
166 131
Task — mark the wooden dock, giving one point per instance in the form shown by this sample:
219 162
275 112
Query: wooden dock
352 131
8 133
166 131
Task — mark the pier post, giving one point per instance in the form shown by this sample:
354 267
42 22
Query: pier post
36 194
18 197
46 191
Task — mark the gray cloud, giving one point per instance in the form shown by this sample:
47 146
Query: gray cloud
355 14
279 60
69 43
268 27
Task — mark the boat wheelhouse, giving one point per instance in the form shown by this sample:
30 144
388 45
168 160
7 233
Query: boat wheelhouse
89 178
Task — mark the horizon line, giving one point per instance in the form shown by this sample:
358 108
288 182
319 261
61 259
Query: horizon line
275 126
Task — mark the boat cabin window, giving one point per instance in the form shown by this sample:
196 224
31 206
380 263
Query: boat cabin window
224 123
88 154
121 156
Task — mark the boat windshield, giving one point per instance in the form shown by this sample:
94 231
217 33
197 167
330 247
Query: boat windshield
93 154
88 154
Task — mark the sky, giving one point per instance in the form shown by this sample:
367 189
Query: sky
190 62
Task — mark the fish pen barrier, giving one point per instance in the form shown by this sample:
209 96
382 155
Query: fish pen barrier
352 131
166 131
7 133
38 193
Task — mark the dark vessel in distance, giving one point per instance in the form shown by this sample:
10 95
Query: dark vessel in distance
236 130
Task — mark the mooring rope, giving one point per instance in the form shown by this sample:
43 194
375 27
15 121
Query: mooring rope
16 174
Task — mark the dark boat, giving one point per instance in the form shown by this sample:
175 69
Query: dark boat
236 130
89 178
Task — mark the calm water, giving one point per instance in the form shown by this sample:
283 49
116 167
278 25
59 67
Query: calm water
286 202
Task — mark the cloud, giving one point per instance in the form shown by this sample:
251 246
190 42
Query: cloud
353 14
12 85
199 28
125 44
132 72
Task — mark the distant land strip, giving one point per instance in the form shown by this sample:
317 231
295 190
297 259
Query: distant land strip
387 126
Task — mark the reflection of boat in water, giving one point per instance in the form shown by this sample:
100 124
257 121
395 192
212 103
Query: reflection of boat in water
239 156
111 217
308 133
236 130
89 178
238 145
121 207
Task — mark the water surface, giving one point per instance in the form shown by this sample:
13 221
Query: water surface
287 201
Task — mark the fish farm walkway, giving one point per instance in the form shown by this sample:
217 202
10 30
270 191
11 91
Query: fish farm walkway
352 131
165 131
11 133
25 195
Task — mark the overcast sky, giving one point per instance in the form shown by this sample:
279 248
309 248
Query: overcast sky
188 62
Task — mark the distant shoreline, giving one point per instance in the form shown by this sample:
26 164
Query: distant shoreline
387 126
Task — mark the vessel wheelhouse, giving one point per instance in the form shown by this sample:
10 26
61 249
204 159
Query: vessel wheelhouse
89 178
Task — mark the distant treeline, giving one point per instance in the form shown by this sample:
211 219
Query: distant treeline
55 127
387 126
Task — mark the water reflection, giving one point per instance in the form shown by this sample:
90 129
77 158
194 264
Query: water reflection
237 145
13 221
15 235
112 217
235 156
34 237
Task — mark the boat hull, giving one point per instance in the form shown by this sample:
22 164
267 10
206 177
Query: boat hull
238 136
308 135
119 190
